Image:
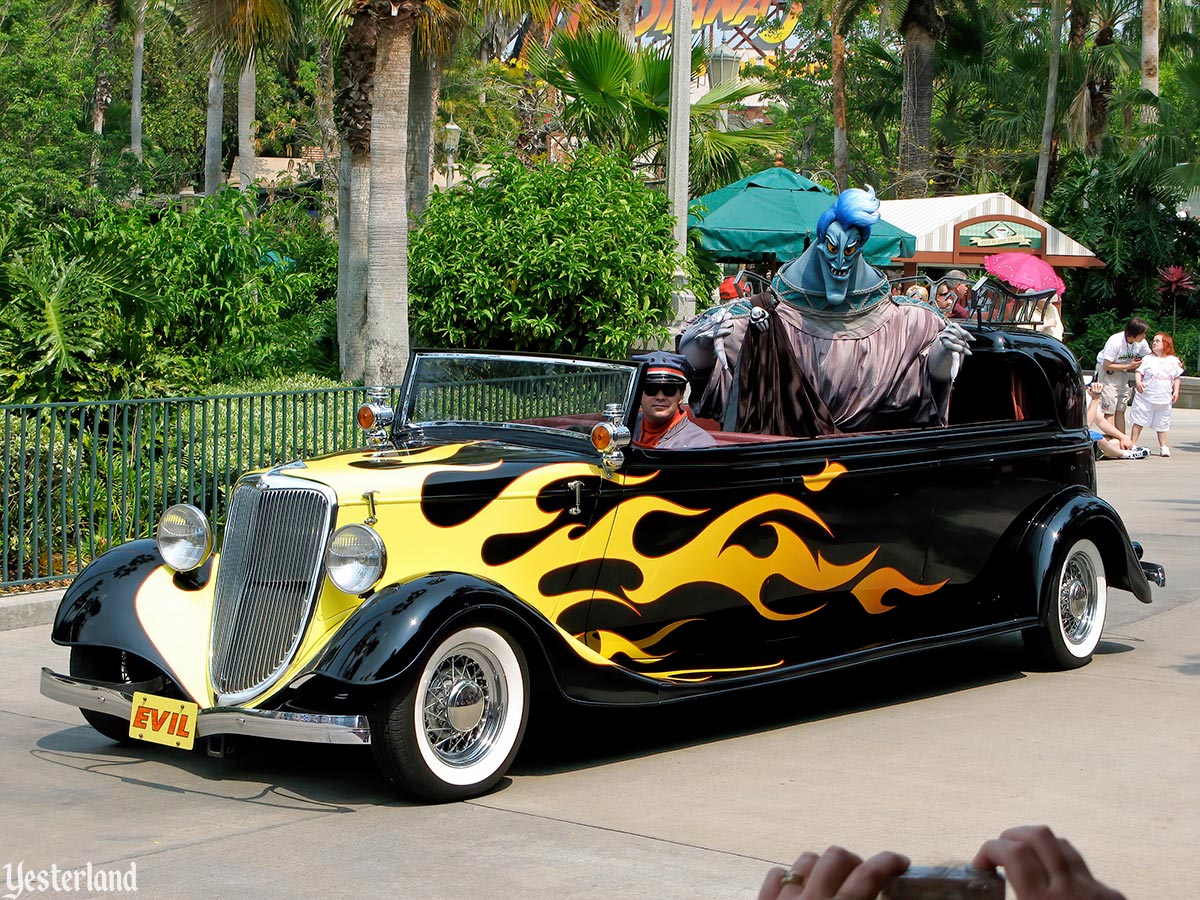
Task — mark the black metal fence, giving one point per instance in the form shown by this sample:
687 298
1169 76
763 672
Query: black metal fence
82 477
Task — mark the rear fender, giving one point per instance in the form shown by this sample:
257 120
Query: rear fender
391 632
1078 514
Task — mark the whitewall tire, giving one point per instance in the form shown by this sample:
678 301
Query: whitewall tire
453 730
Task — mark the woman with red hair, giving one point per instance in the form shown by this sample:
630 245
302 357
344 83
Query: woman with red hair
1157 389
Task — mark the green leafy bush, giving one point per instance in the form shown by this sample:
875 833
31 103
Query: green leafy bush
145 301
575 258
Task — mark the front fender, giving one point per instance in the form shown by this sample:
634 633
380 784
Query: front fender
1080 514
99 608
393 630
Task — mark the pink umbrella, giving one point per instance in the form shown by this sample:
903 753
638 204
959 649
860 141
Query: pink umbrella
1024 271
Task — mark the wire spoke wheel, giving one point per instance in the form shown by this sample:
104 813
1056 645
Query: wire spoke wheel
1074 603
464 706
1077 598
453 730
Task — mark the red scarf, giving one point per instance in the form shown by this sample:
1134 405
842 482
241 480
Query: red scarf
652 434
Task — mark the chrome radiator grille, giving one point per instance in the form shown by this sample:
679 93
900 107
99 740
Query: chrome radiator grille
267 583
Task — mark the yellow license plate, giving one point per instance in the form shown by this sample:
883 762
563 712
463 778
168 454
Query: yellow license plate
163 721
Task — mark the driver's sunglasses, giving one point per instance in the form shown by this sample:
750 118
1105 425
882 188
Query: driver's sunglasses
667 390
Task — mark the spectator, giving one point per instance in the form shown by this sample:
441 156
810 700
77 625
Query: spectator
948 302
1157 390
918 292
1110 443
662 422
1049 318
1121 356
1038 864
957 279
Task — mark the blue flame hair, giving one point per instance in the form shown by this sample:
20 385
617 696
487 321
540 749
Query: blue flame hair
853 206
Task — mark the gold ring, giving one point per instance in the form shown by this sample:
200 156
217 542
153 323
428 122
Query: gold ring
793 877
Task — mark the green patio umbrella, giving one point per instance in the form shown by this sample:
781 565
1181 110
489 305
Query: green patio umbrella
772 217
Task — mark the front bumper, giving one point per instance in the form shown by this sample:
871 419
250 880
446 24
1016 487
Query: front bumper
285 726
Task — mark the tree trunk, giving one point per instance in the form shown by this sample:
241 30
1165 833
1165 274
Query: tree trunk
1080 20
627 11
247 84
1099 91
386 345
214 169
139 59
1043 169
331 145
841 147
354 195
102 93
420 132
1150 15
916 110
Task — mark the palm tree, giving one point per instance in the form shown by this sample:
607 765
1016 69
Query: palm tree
238 29
356 72
1150 11
116 12
1103 62
618 96
921 27
1056 25
842 16
385 350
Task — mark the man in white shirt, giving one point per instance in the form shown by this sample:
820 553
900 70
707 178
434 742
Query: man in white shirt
1115 365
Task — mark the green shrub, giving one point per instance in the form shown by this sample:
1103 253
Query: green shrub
573 258
145 301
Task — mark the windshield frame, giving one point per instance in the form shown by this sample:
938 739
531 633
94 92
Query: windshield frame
405 419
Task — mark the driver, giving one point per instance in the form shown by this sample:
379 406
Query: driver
662 421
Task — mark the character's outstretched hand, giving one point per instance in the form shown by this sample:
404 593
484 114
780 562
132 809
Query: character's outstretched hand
703 341
945 356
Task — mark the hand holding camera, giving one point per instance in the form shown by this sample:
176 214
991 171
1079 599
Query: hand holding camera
1039 865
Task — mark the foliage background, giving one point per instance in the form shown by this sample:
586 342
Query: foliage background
568 259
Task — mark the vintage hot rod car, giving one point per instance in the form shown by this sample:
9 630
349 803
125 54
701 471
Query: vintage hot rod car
502 534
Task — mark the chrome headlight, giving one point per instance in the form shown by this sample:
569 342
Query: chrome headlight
355 558
184 537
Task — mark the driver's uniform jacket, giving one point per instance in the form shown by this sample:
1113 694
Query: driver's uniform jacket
682 435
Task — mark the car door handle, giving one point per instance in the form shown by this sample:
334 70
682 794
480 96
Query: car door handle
577 487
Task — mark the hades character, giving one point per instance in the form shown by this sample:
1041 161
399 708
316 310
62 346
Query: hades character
830 350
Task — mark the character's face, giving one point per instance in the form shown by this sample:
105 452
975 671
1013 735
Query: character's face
839 250
1157 345
661 401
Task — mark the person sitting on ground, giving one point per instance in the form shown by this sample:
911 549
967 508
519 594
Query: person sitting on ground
1037 863
1110 442
662 421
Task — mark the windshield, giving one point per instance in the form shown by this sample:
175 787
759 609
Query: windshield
537 391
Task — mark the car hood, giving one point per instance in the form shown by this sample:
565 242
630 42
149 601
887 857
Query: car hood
449 471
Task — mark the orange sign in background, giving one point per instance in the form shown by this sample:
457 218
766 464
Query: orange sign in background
655 20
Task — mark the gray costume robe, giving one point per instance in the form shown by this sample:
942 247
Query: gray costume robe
814 372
